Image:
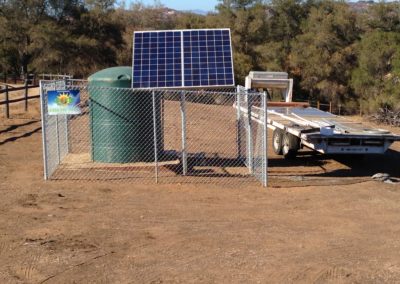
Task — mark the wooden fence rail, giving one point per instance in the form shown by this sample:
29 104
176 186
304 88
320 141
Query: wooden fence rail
25 99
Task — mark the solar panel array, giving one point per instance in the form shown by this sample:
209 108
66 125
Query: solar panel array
182 59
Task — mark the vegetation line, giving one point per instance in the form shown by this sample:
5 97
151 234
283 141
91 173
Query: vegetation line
344 53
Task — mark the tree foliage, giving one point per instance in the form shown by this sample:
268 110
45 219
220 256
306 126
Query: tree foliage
376 78
323 53
333 51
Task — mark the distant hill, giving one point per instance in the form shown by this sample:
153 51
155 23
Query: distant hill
360 6
171 12
197 11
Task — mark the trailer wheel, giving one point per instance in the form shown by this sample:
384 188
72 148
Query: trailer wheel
277 137
290 145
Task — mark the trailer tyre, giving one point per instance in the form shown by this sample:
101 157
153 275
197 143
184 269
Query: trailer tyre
290 145
277 137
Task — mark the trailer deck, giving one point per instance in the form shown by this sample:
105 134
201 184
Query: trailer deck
328 133
325 132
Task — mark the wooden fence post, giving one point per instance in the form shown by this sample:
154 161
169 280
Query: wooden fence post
7 109
26 94
318 106
330 106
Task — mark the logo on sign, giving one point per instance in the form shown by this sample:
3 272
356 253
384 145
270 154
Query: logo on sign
63 102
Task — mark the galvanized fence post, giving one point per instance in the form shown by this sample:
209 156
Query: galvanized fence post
66 122
265 140
238 120
155 136
183 118
67 133
250 146
44 127
91 106
58 140
57 134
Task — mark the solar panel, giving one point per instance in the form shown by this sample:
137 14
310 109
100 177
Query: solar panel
182 59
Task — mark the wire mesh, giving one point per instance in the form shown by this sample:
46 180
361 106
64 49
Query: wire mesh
167 136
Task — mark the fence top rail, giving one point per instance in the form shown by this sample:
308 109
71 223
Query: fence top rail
80 83
56 76
19 100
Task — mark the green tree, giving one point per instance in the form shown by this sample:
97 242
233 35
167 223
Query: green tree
94 41
141 17
22 18
67 36
284 24
377 77
9 55
323 55
384 16
190 21
248 23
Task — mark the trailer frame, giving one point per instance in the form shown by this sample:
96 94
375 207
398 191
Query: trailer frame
317 130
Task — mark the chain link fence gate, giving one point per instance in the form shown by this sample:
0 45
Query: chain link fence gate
167 136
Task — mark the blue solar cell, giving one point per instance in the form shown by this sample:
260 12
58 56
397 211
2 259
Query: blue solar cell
204 55
211 56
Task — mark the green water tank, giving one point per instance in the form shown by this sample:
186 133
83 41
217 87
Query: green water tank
121 118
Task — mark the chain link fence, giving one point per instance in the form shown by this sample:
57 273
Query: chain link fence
167 136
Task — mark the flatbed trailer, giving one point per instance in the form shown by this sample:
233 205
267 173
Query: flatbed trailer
297 125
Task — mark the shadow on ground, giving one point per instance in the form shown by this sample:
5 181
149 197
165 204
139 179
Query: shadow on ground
16 126
353 165
24 135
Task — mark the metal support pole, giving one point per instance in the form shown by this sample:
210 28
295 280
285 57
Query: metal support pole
91 119
238 132
67 133
265 140
250 145
162 118
26 94
155 137
57 135
66 122
58 140
7 107
44 127
183 119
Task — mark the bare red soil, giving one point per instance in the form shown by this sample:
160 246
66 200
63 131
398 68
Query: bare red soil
322 220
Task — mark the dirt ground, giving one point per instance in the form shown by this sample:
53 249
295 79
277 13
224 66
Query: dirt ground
321 220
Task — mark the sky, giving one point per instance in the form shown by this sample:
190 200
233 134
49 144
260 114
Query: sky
206 5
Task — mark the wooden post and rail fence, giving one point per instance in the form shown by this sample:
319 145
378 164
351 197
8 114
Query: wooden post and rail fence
30 81
327 107
7 90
